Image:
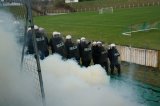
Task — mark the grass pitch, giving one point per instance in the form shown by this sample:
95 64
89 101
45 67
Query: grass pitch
107 27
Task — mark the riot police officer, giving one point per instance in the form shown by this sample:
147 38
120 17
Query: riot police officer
95 53
86 52
41 42
72 51
29 43
57 44
103 56
42 32
113 55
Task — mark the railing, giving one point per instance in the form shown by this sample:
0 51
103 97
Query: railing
115 6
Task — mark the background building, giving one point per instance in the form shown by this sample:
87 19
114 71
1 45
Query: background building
70 1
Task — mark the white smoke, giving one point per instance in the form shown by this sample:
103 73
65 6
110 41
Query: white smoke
15 87
65 82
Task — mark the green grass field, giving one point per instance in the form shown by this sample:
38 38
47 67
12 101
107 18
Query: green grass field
106 27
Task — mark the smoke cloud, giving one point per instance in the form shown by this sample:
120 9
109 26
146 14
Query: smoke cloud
15 86
65 82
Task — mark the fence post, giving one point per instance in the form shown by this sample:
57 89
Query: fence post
130 57
143 4
145 57
159 59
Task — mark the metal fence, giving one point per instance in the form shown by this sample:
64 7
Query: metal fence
159 59
140 56
97 7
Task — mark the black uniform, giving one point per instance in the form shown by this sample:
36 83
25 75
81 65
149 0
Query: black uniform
95 54
113 57
46 51
79 48
72 50
47 44
103 58
41 44
86 53
30 48
57 46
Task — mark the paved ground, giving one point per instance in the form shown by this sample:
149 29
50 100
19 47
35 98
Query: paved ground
144 94
143 74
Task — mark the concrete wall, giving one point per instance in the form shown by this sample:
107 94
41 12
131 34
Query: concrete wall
140 56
